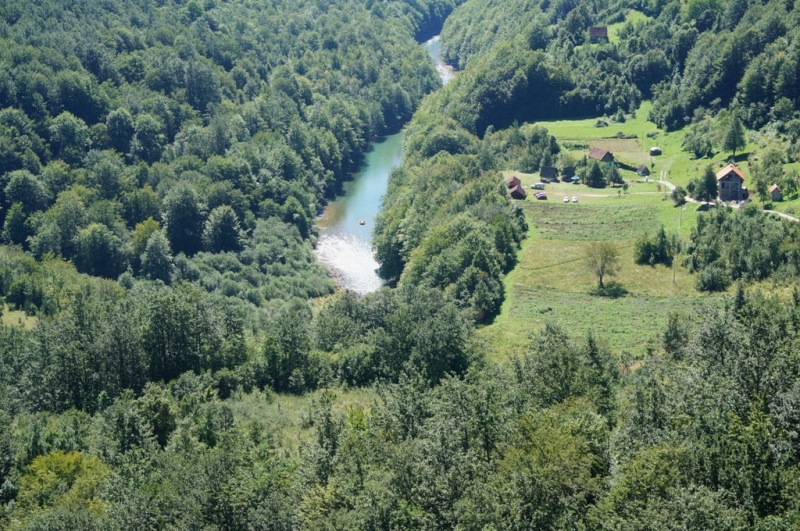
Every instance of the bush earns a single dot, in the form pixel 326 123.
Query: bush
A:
pixel 712 278
pixel 654 251
pixel 612 290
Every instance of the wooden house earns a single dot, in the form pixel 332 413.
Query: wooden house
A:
pixel 512 181
pixel 517 192
pixel 730 184
pixel 598 34
pixel 602 155
pixel 775 193
pixel 568 172
pixel 655 151
pixel 549 172
pixel 642 171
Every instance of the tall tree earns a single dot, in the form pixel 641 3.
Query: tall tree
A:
pixel 100 252
pixel 734 136
pixel 157 258
pixel 185 215
pixel 15 229
pixel 120 129
pixel 222 231
pixel 706 189
pixel 602 259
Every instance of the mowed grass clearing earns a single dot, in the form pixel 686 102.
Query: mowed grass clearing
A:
pixel 550 283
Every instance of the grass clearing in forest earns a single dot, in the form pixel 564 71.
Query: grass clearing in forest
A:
pixel 550 283
pixel 289 418
pixel 18 318
pixel 636 17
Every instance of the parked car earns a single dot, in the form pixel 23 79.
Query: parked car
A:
pixel 566 199
pixel 541 196
pixel 538 186
pixel 545 180
pixel 574 198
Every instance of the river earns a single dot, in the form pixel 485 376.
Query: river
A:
pixel 345 245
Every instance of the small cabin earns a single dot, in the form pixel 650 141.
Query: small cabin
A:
pixel 730 184
pixel 568 172
pixel 655 151
pixel 775 193
pixel 603 155
pixel 642 171
pixel 549 172
pixel 512 181
pixel 598 34
pixel 517 192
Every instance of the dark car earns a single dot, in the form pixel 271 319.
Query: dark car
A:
pixel 541 196
pixel 545 180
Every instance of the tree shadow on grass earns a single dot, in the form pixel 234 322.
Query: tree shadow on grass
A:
pixel 612 290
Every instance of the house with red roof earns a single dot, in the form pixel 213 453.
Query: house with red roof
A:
pixel 517 192
pixel 730 184
pixel 512 181
pixel 603 155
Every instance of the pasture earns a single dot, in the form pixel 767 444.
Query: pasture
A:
pixel 550 282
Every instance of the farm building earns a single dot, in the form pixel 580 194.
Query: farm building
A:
pixel 517 192
pixel 730 181
pixel 568 172
pixel 642 171
pixel 598 34
pixel 512 181
pixel 603 155
pixel 549 172
pixel 775 193
pixel 655 151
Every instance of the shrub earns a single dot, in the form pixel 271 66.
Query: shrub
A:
pixel 712 278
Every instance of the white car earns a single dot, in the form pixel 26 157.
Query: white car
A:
pixel 566 199
pixel 574 198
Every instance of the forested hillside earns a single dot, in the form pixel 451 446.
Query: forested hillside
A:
pixel 527 61
pixel 172 356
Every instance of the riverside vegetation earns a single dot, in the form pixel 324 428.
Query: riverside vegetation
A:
pixel 186 364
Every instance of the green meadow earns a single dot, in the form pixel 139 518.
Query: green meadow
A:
pixel 550 283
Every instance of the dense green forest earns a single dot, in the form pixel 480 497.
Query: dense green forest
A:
pixel 162 166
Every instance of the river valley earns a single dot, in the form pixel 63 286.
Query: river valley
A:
pixel 345 244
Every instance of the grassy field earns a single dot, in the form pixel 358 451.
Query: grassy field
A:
pixel 551 283
pixel 17 318
pixel 289 417
pixel 637 17
pixel 679 166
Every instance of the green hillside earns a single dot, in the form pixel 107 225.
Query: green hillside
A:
pixel 620 354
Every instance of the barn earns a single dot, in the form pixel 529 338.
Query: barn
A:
pixel 517 192
pixel 775 193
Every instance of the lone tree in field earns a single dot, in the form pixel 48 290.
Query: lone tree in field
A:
pixel 602 259
pixel 734 136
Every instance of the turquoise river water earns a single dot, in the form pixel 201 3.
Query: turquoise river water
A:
pixel 345 245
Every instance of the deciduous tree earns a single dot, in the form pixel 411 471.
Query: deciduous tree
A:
pixel 602 259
